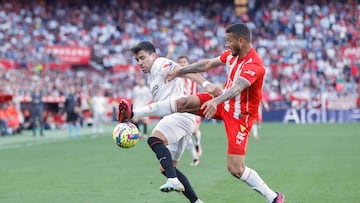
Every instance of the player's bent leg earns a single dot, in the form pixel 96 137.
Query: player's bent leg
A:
pixel 173 129
pixel 236 166
pixel 189 191
pixel 189 104
pixel 165 159
pixel 160 109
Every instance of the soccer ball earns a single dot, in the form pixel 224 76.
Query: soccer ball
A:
pixel 126 135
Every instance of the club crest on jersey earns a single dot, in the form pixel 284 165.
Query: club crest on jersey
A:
pixel 155 90
pixel 250 72
pixel 242 128
pixel 169 65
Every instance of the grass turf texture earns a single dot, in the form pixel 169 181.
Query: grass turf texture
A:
pixel 308 163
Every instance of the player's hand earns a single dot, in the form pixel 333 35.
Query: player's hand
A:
pixel 213 90
pixel 170 75
pixel 210 108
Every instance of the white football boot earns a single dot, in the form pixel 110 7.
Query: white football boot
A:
pixel 172 184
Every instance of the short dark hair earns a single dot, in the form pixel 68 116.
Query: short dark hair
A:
pixel 144 45
pixel 184 57
pixel 240 30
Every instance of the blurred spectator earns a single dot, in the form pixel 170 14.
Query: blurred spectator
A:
pixel 9 121
pixel 3 119
pixel 98 105
pixel 72 111
pixel 37 109
pixel 13 121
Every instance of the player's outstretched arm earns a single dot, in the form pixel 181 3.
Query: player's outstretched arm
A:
pixel 172 74
pixel 201 66
pixel 210 106
pixel 239 85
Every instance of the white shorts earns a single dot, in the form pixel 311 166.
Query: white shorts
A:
pixel 177 149
pixel 177 128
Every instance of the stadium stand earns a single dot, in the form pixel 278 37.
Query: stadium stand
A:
pixel 311 49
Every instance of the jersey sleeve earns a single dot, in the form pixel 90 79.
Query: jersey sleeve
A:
pixel 166 65
pixel 252 71
pixel 224 55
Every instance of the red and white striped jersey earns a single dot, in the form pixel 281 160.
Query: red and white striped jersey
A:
pixel 190 87
pixel 252 69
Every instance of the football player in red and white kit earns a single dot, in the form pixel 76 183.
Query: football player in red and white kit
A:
pixel 191 88
pixel 237 106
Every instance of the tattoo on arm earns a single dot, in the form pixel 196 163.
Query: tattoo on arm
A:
pixel 239 85
pixel 214 63
pixel 201 66
pixel 194 68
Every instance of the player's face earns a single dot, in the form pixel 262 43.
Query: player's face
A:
pixel 145 60
pixel 183 62
pixel 233 43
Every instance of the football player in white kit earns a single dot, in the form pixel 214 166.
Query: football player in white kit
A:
pixel 173 128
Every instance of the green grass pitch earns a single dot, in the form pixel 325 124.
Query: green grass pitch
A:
pixel 317 163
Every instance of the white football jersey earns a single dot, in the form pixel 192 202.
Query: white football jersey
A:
pixel 161 91
pixel 176 127
pixel 99 104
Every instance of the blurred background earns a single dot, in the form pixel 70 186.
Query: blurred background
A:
pixel 311 50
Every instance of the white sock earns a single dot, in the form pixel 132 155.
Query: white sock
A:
pixel 255 130
pixel 161 108
pixel 256 183
pixel 191 147
pixel 198 137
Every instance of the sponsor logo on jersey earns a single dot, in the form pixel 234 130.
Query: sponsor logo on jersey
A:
pixel 240 137
pixel 250 72
pixel 169 65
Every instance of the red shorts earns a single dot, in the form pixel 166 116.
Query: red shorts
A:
pixel 237 129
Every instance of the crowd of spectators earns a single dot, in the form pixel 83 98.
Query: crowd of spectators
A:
pixel 301 43
pixel 56 84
